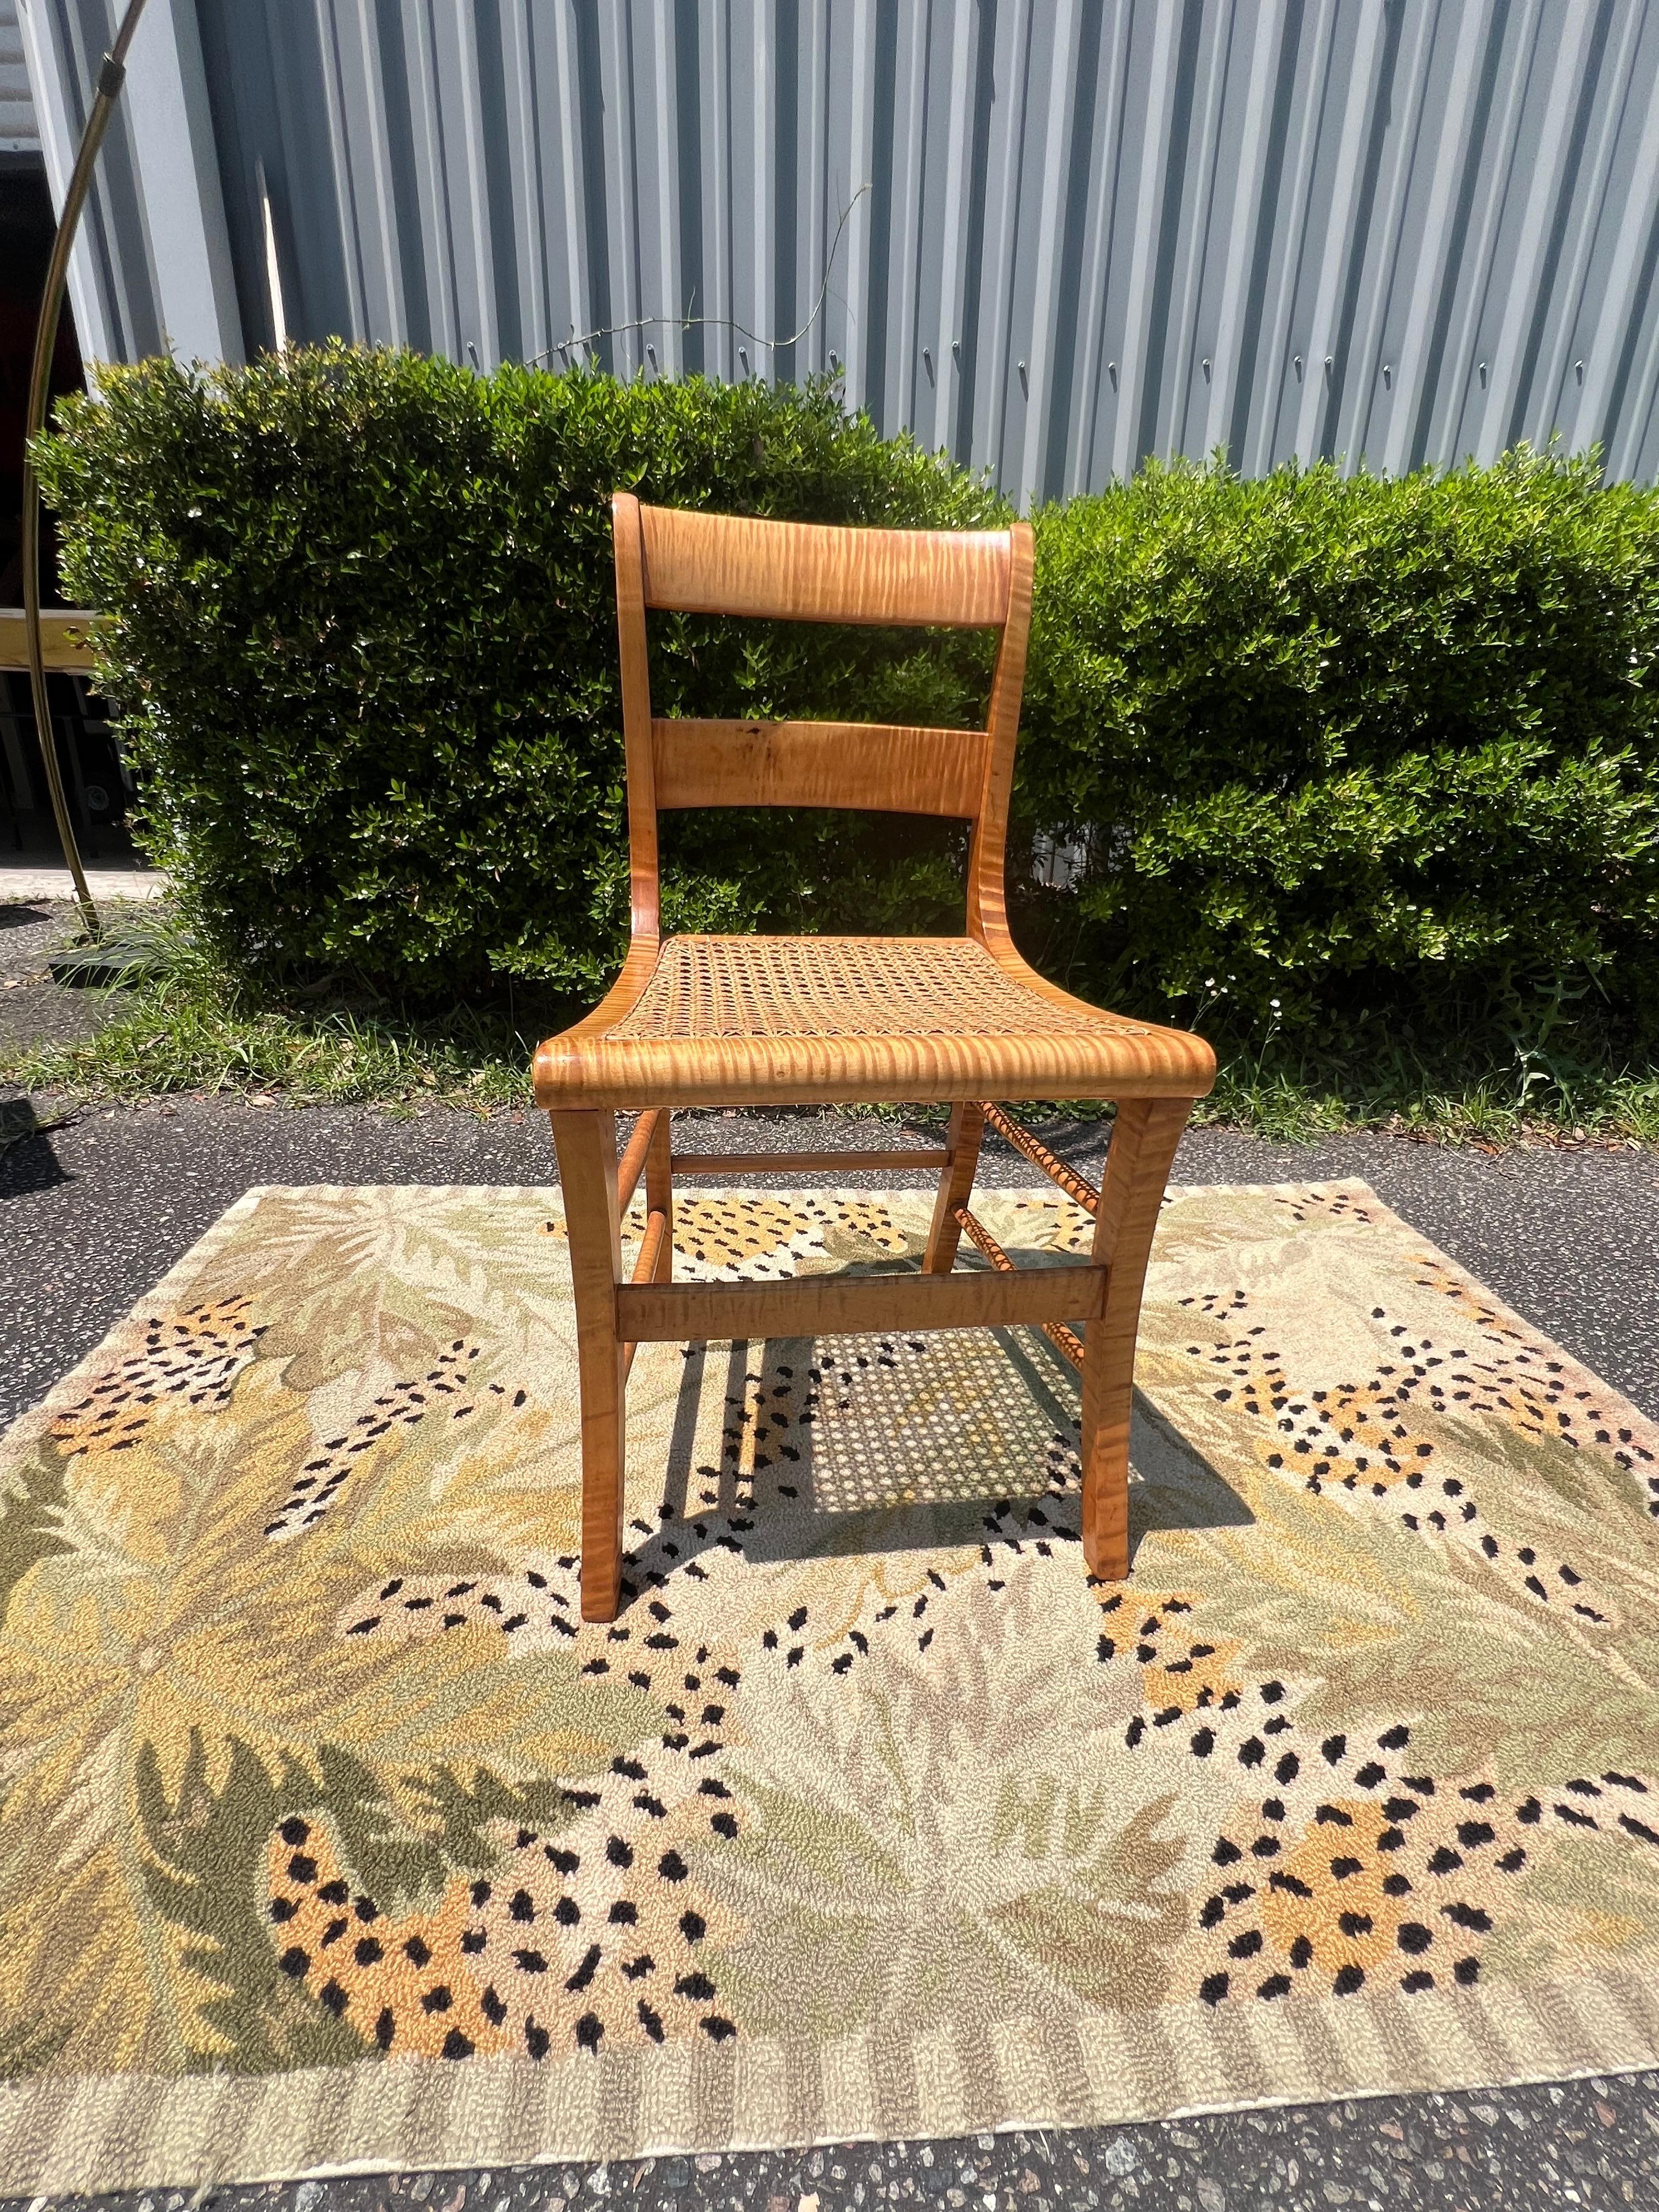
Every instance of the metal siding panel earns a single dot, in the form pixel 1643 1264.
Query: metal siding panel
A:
pixel 461 157
pixel 841 190
pixel 112 285
pixel 1600 212
pixel 657 186
pixel 1455 404
pixel 361 93
pixel 1325 145
pixel 432 187
pixel 760 57
pixel 903 377
pixel 1042 123
pixel 1097 401
pixel 813 231
pixel 348 114
pixel 996 388
pixel 862 276
pixel 1193 316
pixel 715 106
pixel 1149 118
pixel 1363 420
pixel 1623 279
pixel 1633 450
pixel 1441 165
pixel 1626 378
pixel 19 132
pixel 734 184
pixel 169 129
pixel 530 185
pixel 1616 214
pixel 1098 161
pixel 569 281
pixel 1247 135
pixel 56 67
pixel 943 251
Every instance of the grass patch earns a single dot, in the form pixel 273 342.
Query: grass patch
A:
pixel 167 1039
pixel 1453 1101
pixel 184 1023
pixel 187 1025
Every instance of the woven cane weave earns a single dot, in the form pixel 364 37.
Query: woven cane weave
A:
pixel 841 987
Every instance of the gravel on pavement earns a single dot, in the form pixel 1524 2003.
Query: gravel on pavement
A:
pixel 33 1010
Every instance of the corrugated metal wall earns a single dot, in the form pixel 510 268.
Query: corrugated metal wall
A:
pixel 152 261
pixel 1094 229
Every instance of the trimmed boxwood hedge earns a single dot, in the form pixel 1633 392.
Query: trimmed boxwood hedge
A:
pixel 1326 750
pixel 362 631
pixel 1338 744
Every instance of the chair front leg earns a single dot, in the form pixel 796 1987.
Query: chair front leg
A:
pixel 1144 1140
pixel 955 1186
pixel 586 1147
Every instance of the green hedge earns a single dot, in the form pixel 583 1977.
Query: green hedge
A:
pixel 363 629
pixel 1346 743
pixel 1360 747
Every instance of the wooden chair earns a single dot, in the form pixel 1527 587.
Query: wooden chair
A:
pixel 753 1021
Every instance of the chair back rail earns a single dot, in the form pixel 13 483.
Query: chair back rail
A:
pixel 718 564
pixel 884 768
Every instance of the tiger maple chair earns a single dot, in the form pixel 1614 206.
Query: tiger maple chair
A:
pixel 772 1021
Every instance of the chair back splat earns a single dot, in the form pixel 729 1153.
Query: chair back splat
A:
pixel 765 1021
pixel 689 563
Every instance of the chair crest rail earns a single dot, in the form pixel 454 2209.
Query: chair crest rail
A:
pixel 724 564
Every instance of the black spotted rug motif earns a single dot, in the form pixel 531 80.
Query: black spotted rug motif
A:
pixel 331 1838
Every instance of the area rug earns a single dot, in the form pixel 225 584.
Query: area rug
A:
pixel 331 1838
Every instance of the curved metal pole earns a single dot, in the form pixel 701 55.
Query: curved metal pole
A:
pixel 111 77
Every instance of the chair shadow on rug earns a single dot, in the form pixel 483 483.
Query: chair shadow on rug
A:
pixel 873 1444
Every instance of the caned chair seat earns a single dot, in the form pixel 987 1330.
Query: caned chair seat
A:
pixel 733 1021
pixel 803 1019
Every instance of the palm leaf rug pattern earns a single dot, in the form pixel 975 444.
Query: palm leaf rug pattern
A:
pixel 330 1836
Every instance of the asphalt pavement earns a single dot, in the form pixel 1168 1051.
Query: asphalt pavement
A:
pixel 99 1206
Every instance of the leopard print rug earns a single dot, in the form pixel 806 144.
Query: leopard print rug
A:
pixel 330 1836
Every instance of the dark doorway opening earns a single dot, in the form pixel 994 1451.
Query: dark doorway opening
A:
pixel 98 786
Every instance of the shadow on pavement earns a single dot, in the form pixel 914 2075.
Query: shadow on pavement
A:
pixel 27 1160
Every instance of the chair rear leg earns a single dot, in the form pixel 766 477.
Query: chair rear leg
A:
pixel 955 1186
pixel 659 1194
pixel 1144 1140
pixel 586 1147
